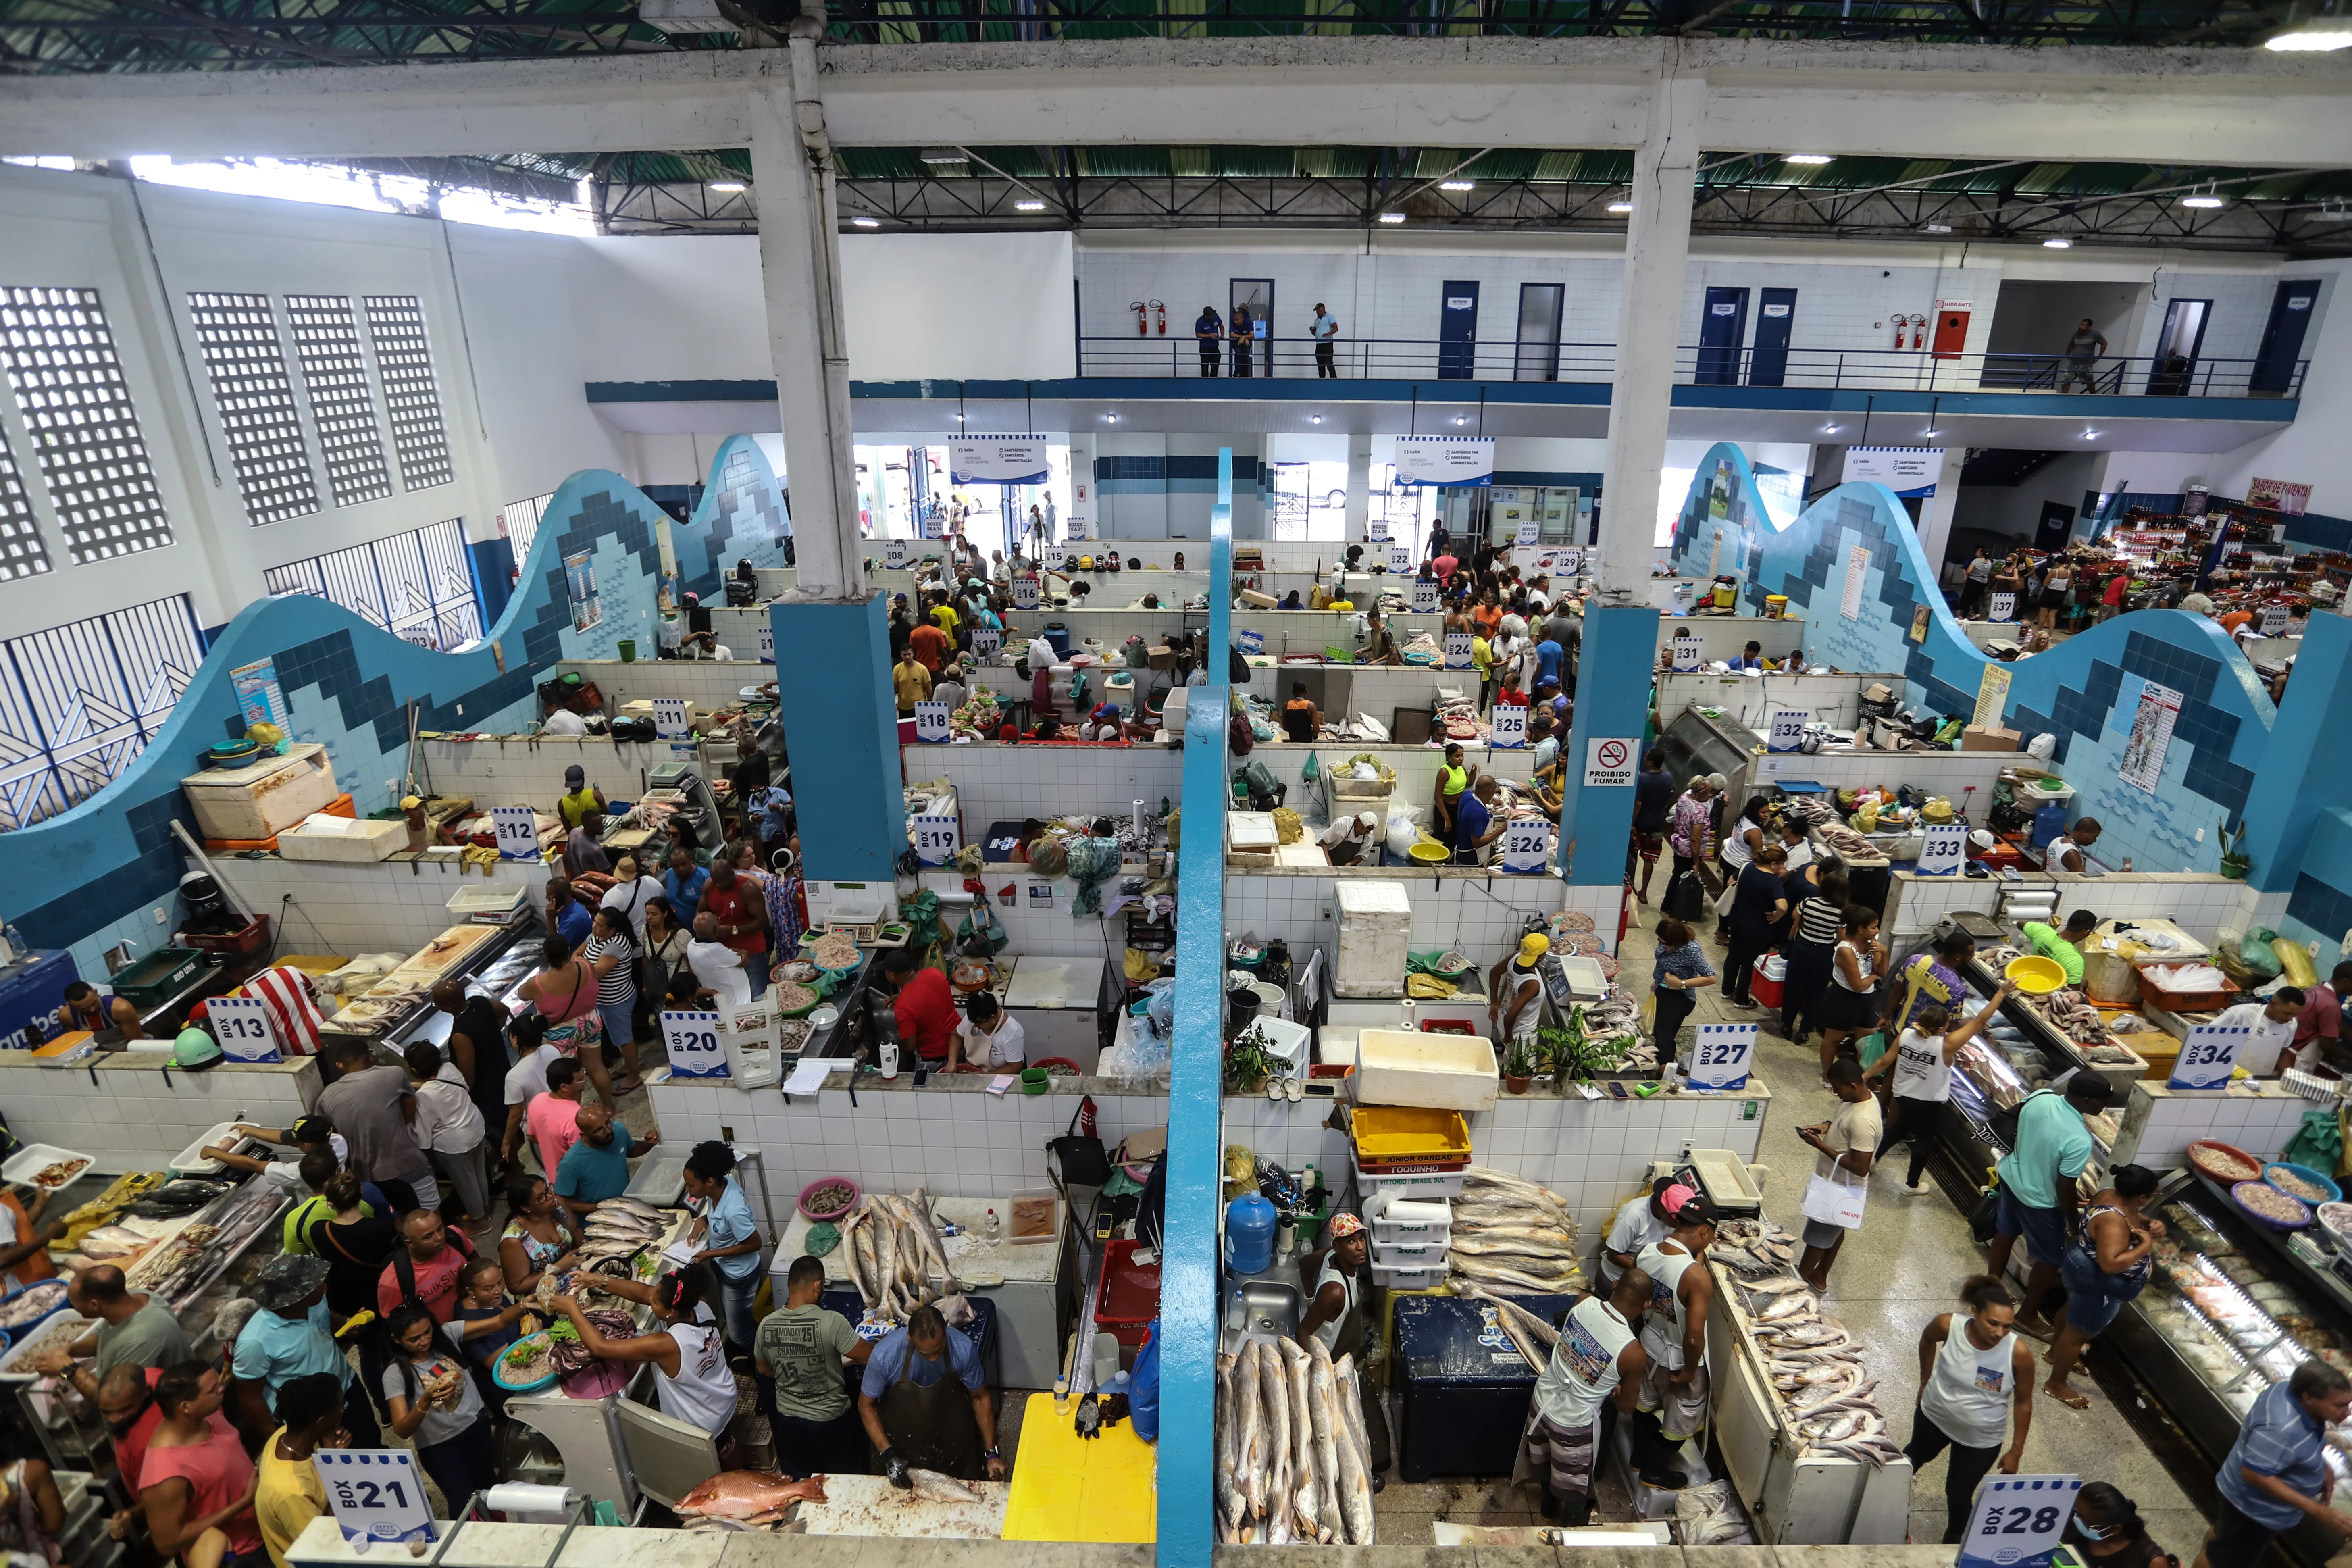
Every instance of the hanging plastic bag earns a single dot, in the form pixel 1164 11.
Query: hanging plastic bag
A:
pixel 981 931
pixel 2317 1145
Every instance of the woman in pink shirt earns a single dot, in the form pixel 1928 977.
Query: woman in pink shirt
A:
pixel 197 1481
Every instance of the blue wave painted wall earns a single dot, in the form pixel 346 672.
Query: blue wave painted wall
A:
pixel 2085 692
pixel 89 878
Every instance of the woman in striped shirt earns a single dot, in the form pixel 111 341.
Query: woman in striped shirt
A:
pixel 612 954
pixel 1810 943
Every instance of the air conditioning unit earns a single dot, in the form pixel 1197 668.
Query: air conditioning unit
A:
pixel 683 16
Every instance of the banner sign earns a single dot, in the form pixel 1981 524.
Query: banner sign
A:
pixel 998 460
pixel 1443 460
pixel 1906 470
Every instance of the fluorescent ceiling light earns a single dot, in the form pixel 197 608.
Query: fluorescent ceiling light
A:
pixel 1392 217
pixel 1029 204
pixel 2313 35
pixel 946 155
pixel 1828 429
pixel 862 221
pixel 1315 418
pixel 1804 157
pixel 729 187
pixel 1456 185
pixel 1937 227
pixel 2089 434
pixel 2204 201
pixel 1621 207
pixel 2057 245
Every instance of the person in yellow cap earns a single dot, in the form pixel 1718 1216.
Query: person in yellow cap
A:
pixel 1515 994
pixel 1335 1315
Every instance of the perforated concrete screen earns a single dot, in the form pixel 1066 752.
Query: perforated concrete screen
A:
pixel 68 384
pixel 255 397
pixel 404 358
pixel 22 554
pixel 334 372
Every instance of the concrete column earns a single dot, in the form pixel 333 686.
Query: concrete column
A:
pixel 1360 485
pixel 852 817
pixel 800 260
pixel 1649 320
pixel 1082 481
pixel 2304 783
pixel 1613 703
pixel 1935 511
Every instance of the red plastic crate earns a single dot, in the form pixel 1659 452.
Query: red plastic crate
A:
pixel 1129 1296
pixel 254 934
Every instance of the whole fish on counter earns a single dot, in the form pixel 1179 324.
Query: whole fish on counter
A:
pixel 744 1498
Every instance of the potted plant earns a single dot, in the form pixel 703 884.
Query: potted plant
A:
pixel 1248 1062
pixel 1519 1066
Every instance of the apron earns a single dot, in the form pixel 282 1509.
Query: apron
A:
pixel 35 1265
pixel 933 1428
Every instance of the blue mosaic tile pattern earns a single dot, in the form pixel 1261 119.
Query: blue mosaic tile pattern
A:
pixel 2084 692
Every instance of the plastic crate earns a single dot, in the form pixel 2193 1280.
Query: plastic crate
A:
pixel 158 977
pixel 1424 1279
pixel 1128 1298
pixel 1389 1136
pixel 255 932
pixel 2152 989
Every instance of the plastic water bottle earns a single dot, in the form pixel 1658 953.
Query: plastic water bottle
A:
pixel 1061 1396
pixel 991 1231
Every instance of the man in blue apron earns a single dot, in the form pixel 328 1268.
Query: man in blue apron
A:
pixel 924 1407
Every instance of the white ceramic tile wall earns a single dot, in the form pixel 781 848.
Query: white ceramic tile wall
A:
pixel 1948 773
pixel 1722 636
pixel 997 782
pixel 1041 931
pixel 2260 1125
pixel 1478 914
pixel 387 907
pixel 1914 904
pixel 136 1118
pixel 2199 902
pixel 709 682
pixel 1752 699
pixel 1416 766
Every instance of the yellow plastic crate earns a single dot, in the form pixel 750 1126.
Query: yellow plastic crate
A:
pixel 1398 1134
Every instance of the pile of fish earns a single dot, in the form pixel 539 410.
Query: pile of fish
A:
pixel 2070 1014
pixel 570 1356
pixel 31 1304
pixel 1815 1366
pixel 1711 1515
pixel 619 1230
pixel 1530 1335
pixel 893 1250
pixel 1292 1462
pixel 746 1499
pixel 1511 1234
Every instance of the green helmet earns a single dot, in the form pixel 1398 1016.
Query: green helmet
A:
pixel 195 1050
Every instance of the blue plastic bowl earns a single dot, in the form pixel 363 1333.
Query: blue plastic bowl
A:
pixel 2304 1173
pixel 498 1369
pixel 60 1305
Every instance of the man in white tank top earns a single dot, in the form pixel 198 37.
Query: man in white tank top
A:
pixel 1672 1406
pixel 1596 1368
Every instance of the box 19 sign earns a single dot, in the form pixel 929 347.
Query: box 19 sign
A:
pixel 1526 842
pixel 242 1025
pixel 517 831
pixel 2017 1521
pixel 938 839
pixel 2208 1056
pixel 692 1041
pixel 931 723
pixel 1720 1057
pixel 375 1493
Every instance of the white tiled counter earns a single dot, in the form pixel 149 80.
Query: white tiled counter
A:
pixel 2159 1124
pixel 133 1112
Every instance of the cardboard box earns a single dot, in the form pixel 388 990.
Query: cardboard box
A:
pixel 1988 737
pixel 1878 691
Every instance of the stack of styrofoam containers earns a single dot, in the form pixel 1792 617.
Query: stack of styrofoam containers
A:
pixel 1375 920
pixel 1408 1241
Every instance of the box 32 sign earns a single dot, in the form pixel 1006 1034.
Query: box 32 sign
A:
pixel 692 1041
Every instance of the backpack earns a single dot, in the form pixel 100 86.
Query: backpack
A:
pixel 1237 669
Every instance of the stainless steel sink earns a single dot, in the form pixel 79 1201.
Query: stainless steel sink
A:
pixel 1270 1311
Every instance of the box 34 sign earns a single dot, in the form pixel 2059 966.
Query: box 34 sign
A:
pixel 692 1041
pixel 2209 1056
pixel 1609 764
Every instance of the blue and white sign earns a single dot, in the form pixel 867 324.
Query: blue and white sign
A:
pixel 1376 530
pixel 1457 650
pixel 1906 470
pixel 1510 726
pixel 1253 642
pixel 2017 1521
pixel 243 1027
pixel 1074 527
pixel 1787 732
pixel 1722 1054
pixel 931 723
pixel 1943 849
pixel 2209 1056
pixel 376 1494
pixel 998 460
pixel 894 554
pixel 1424 596
pixel 1527 843
pixel 518 832
pixel 938 839
pixel 691 1041
pixel 1443 460
pixel 1689 655
pixel 1400 557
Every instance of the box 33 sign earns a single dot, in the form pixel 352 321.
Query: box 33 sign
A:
pixel 2017 1521
pixel 2208 1056
pixel 692 1041
pixel 242 1025
pixel 517 831
pixel 1527 843
pixel 376 1494
pixel 1609 764
pixel 1721 1059
pixel 1944 849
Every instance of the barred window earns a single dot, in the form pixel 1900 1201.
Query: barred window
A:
pixel 239 336
pixel 417 585
pixel 334 372
pixel 23 553
pixel 68 384
pixel 404 358
pixel 79 701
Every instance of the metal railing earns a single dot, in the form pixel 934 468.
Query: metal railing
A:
pixel 1185 358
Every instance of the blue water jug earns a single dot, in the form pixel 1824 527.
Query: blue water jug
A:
pixel 1249 1234
pixel 2049 823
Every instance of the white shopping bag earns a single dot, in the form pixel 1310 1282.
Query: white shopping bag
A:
pixel 1834 1201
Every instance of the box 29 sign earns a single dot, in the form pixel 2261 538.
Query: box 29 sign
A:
pixel 691 1039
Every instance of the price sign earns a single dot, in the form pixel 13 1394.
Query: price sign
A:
pixel 691 1039
pixel 1571 562
pixel 669 718
pixel 938 839
pixel 2273 620
pixel 894 554
pixel 1457 650
pixel 2004 607
pixel 2017 1521
pixel 767 641
pixel 1253 642
pixel 1527 843
pixel 1510 726
pixel 1376 530
pixel 1057 557
pixel 931 723
pixel 1024 592
pixel 1074 527
pixel 1041 895
pixel 1424 596
pixel 1686 654
pixel 1945 850
pixel 1531 530
pixel 377 1493
pixel 985 641
pixel 517 831
pixel 1720 1059
pixel 2209 1056
pixel 1788 731
pixel 242 1025
pixel 1400 557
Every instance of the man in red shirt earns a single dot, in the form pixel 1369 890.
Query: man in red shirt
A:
pixel 743 917
pixel 929 646
pixel 2322 1023
pixel 925 1009
pixel 431 1264
pixel 2118 585
pixel 126 1403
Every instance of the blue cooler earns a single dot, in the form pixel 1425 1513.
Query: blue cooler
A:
pixel 33 990
pixel 1462 1389
pixel 1057 637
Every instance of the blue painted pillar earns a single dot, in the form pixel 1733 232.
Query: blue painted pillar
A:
pixel 1613 703
pixel 2303 773
pixel 841 723
pixel 493 560
pixel 1187 1273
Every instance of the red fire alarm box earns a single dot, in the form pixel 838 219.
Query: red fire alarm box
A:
pixel 1951 333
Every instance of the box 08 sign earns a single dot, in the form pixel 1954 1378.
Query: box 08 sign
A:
pixel 242 1025
pixel 2017 1521
pixel 518 832
pixel 894 555
pixel 1720 1057
pixel 376 1494
pixel 2209 1056
pixel 692 1041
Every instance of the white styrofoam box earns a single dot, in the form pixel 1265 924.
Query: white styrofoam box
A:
pixel 342 838
pixel 263 798
pixel 1446 1072
pixel 1410 1278
pixel 1375 921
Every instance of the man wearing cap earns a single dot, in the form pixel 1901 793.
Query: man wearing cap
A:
pixel 1596 1370
pixel 580 798
pixel 288 1337
pixel 1514 992
pixel 1640 1221
pixel 2038 1196
pixel 1336 1316
pixel 1672 1406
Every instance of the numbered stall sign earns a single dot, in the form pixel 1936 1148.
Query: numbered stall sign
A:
pixel 518 832
pixel 1041 895
pixel 1457 650
pixel 1057 557
pixel 767 642
pixel 1687 655
pixel 2208 1056
pixel 985 641
pixel 1945 849
pixel 1788 731
pixel 693 1044
pixel 2273 620
pixel 1424 596
pixel 242 1025
pixel 669 718
pixel 1527 843
pixel 1570 562
pixel 2018 1521
pixel 931 723
pixel 894 554
pixel 1253 642
pixel 1400 557
pixel 1376 530
pixel 1720 1059
pixel 1074 528
pixel 376 1494
pixel 1510 726
pixel 2003 608
pixel 938 839
pixel 1024 592
pixel 1531 530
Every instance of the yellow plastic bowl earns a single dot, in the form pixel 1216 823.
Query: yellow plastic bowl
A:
pixel 2035 975
pixel 1429 852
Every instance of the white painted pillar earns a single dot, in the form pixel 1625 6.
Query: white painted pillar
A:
pixel 1360 485
pixel 800 268
pixel 1935 511
pixel 1082 481
pixel 1649 320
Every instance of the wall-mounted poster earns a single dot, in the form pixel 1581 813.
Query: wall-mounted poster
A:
pixel 580 582
pixel 1920 623
pixel 2278 495
pixel 2151 737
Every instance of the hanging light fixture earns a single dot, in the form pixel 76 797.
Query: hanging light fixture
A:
pixel 2313 35
pixel 2206 199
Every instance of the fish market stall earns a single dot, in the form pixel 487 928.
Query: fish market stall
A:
pixel 937 1508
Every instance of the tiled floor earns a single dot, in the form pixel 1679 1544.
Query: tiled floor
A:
pixel 1900 1271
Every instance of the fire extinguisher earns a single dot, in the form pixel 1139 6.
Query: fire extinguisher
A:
pixel 1901 322
pixel 1918 331
pixel 1142 327
pixel 1162 310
